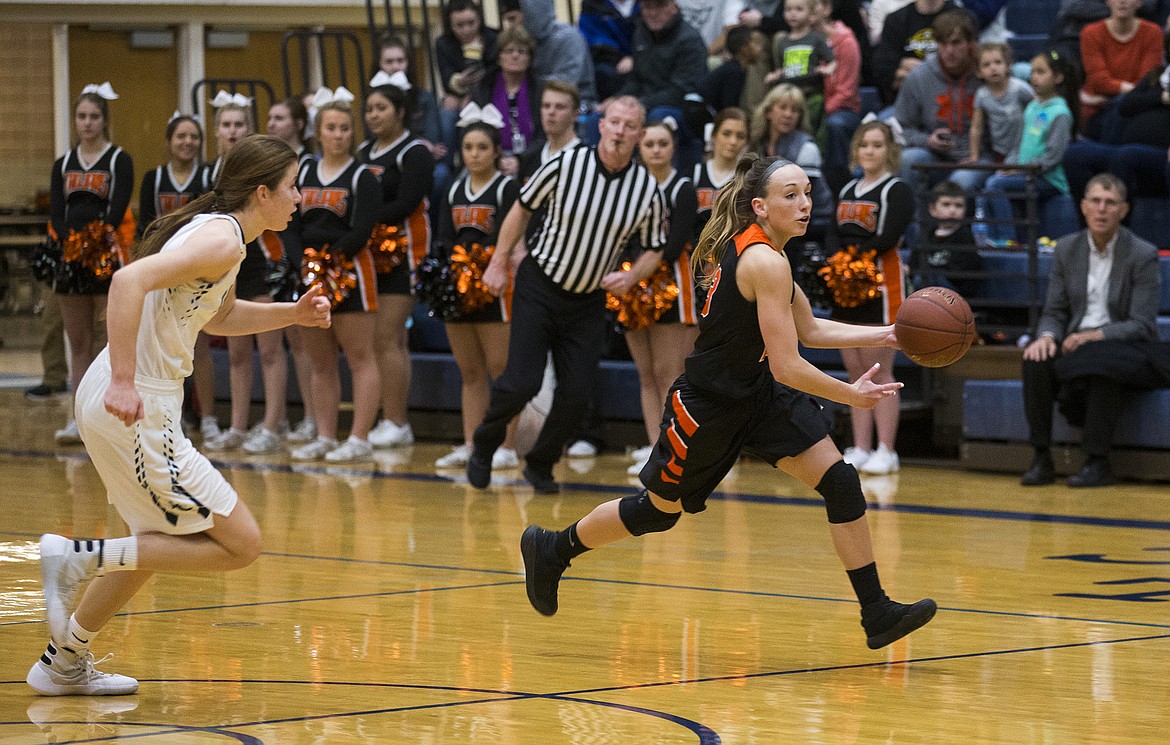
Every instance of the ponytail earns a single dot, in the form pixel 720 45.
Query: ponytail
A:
pixel 731 215
pixel 256 160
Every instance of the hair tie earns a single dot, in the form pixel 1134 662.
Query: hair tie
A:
pixel 774 166
pixel 325 96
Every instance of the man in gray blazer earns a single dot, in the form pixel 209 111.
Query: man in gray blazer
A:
pixel 1105 285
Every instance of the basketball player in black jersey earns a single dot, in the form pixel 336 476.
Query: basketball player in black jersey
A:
pixel 746 389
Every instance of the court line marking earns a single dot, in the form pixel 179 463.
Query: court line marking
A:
pixel 573 695
pixel 914 509
pixel 601 580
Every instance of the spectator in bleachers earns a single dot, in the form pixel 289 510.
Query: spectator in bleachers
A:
pixel 872 216
pixel 514 90
pixel 908 38
pixel 947 244
pixel 875 16
pixel 461 52
pixel 1074 15
pixel 935 102
pixel 712 19
pixel 842 95
pixel 608 28
pixel 1049 123
pixel 998 115
pixel 561 51
pixel 1140 159
pixel 801 57
pixel 287 120
pixel 1101 308
pixel 670 63
pixel 723 87
pixel 424 123
pixel 781 126
pixel 559 102
pixel 768 18
pixel 1115 54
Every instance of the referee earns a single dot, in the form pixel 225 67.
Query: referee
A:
pixel 595 200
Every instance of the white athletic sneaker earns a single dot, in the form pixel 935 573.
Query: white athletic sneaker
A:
pixel 305 431
pixel 352 449
pixel 390 435
pixel 209 428
pixel 229 439
pixel 856 457
pixel 642 454
pixel 457 458
pixel 261 440
pixel 315 450
pixel 505 458
pixel 63 571
pixel 582 449
pixel 881 462
pixel 68 435
pixel 61 672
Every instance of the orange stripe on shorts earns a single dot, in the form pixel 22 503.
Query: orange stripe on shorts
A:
pixel 683 417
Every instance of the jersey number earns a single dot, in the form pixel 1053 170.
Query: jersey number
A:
pixel 711 292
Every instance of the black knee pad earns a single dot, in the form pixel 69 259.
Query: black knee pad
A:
pixel 640 516
pixel 841 488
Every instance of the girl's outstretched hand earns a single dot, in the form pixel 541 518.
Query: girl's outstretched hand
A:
pixel 869 392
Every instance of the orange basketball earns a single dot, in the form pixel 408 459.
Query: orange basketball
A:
pixel 935 327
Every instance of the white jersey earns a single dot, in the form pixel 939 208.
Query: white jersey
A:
pixel 172 318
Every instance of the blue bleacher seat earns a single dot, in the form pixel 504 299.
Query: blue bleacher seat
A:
pixel 1150 219
pixel 1058 217
pixel 871 100
pixel 1031 16
pixel 1026 46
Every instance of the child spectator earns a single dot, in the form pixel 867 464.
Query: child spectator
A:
pixel 998 116
pixel 723 87
pixel 948 245
pixel 802 57
pixel 842 95
pixel 1049 122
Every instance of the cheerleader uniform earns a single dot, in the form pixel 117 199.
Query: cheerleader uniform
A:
pixel 681 214
pixel 467 218
pixel 340 214
pixel 81 194
pixel 407 172
pixel 876 220
pixel 706 189
pixel 161 194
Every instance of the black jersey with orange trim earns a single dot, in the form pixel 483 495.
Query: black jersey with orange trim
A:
pixel 706 190
pixel 162 193
pixel 81 193
pixel 729 355
pixel 406 170
pixel 875 219
pixel 340 212
pixel 468 218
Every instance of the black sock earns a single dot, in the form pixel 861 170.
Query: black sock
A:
pixel 1044 453
pixel 568 545
pixel 867 586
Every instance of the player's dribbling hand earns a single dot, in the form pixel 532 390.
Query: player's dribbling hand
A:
pixel 314 309
pixel 869 392
pixel 495 279
pixel 124 403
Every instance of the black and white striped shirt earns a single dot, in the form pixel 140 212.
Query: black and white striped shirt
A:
pixel 590 216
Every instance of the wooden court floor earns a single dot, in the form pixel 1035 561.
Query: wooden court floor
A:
pixel 389 607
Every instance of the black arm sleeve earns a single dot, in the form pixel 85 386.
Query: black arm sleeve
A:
pixel 57 200
pixel 418 178
pixel 365 215
pixel 683 214
pixel 123 189
pixel 445 235
pixel 145 204
pixel 507 199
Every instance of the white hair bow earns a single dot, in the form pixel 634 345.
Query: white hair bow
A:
pixel 324 96
pixel 670 123
pixel 105 90
pixel 223 98
pixel 473 114
pixel 398 80
pixel 177 114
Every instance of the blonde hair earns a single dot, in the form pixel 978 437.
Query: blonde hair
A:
pixel 893 149
pixel 782 93
pixel 344 108
pixel 731 214
pixel 248 121
pixel 256 160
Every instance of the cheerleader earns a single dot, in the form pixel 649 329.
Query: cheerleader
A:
pixel 90 191
pixel 471 213
pixel 659 349
pixel 339 205
pixel 233 122
pixel 729 136
pixel 872 216
pixel 406 168
pixel 287 120
pixel 164 190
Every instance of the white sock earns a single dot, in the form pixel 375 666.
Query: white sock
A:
pixel 120 554
pixel 77 638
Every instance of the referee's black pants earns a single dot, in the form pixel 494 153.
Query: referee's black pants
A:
pixel 546 317
pixel 1103 403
